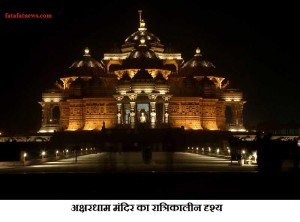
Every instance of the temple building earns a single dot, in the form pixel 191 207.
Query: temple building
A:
pixel 142 83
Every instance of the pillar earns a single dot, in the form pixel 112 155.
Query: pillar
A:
pixel 132 97
pixel 153 114
pixel 166 106
pixel 237 113
pixel 152 97
pixel 166 112
pixel 119 105
pixel 46 113
pixel 132 114
pixel 119 114
pixel 44 116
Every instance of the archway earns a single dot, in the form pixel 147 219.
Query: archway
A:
pixel 229 115
pixel 55 115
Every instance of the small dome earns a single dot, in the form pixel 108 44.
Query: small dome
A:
pixel 87 66
pixel 198 66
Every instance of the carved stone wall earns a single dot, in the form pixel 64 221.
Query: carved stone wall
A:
pixel 185 111
pixel 64 115
pixel 197 113
pixel 220 115
pixel 99 111
pixel 209 120
pixel 76 114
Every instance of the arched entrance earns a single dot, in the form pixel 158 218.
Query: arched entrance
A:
pixel 228 115
pixel 55 115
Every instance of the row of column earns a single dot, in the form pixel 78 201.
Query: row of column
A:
pixel 237 112
pixel 47 112
pixel 132 116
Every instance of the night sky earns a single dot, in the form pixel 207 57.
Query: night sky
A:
pixel 255 46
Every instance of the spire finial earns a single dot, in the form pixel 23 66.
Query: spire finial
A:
pixel 198 51
pixel 86 51
pixel 142 22
pixel 140 14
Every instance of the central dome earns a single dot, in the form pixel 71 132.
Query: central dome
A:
pixel 136 38
pixel 142 36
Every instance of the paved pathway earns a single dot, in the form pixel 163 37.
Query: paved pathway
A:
pixel 133 162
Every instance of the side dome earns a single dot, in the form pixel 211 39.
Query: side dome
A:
pixel 87 66
pixel 198 66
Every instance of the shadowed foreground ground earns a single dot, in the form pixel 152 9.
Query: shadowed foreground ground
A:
pixel 119 176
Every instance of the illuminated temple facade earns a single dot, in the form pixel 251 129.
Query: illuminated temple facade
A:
pixel 142 83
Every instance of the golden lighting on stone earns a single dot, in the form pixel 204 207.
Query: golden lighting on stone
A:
pixel 217 81
pixel 237 129
pixel 88 128
pixel 131 73
pixel 67 81
pixel 88 103
pixel 113 62
pixel 172 62
pixel 142 24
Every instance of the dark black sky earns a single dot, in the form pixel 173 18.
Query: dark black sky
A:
pixel 256 47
